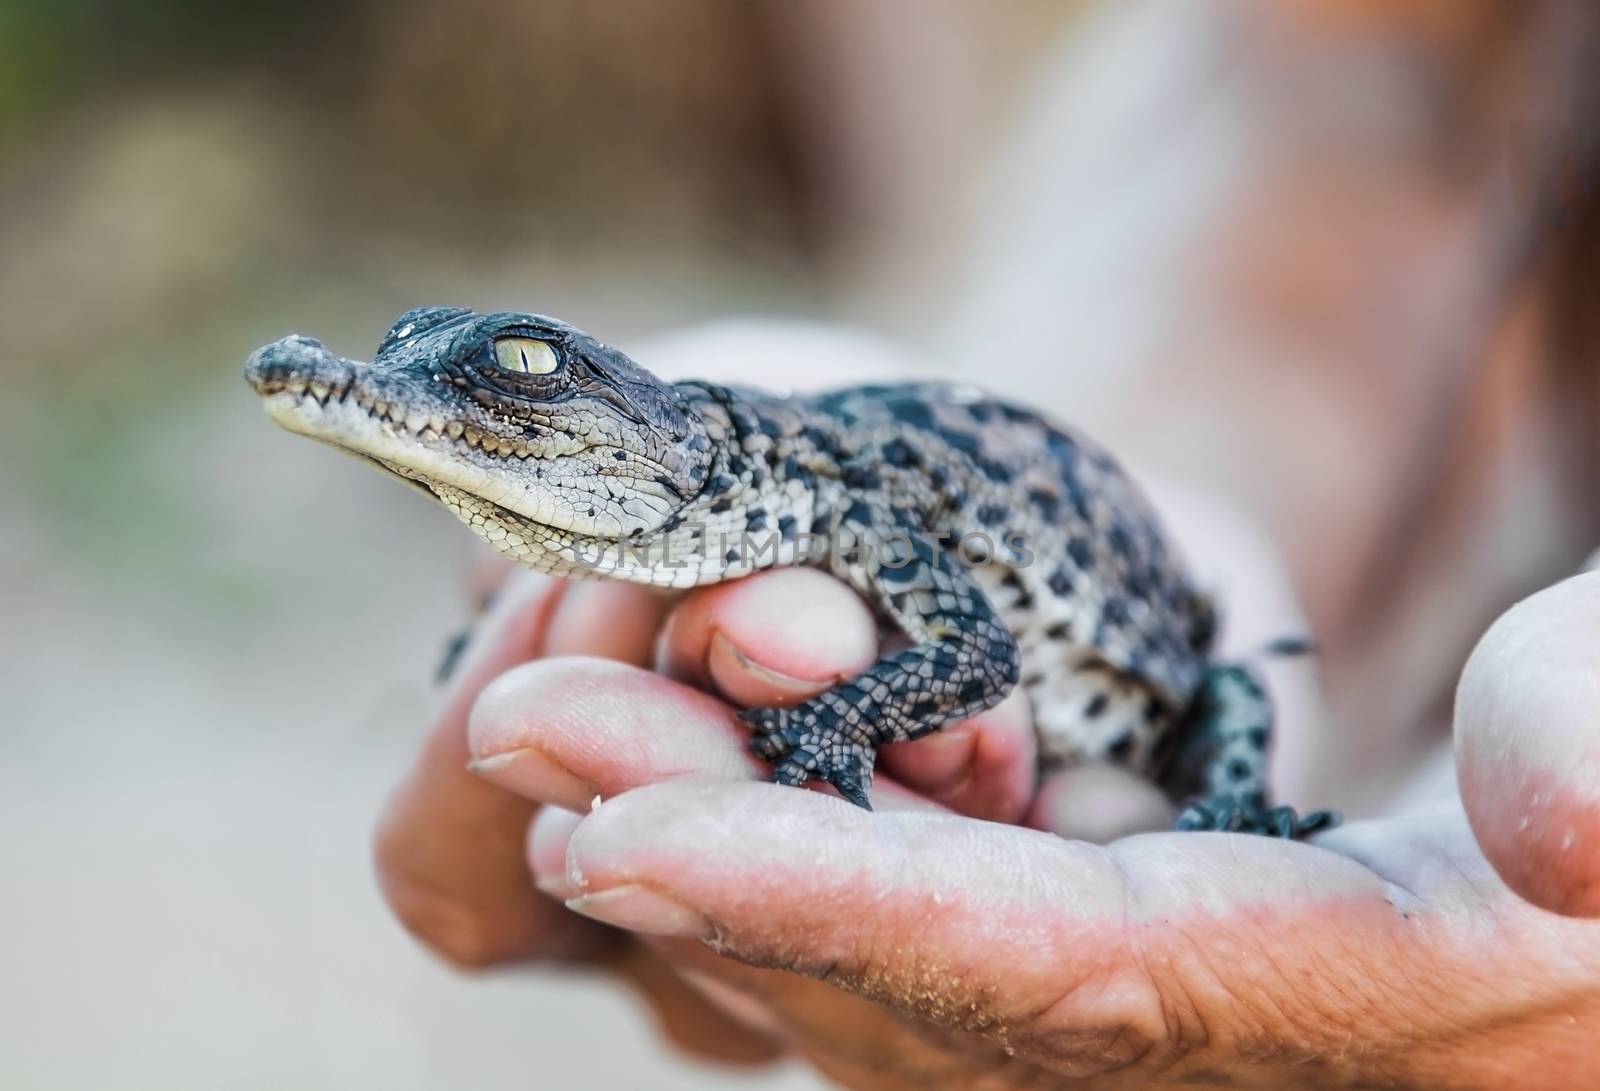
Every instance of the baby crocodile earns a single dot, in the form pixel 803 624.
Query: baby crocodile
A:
pixel 1008 550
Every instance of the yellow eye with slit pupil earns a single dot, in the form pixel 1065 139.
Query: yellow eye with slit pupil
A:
pixel 525 356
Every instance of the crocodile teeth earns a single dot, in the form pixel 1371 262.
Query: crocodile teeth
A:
pixel 454 429
pixel 320 391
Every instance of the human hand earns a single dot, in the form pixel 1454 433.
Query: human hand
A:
pixel 1387 952
pixel 451 847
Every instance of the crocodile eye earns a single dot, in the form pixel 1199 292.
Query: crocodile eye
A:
pixel 525 356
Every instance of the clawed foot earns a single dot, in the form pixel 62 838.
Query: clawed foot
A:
pixel 1228 816
pixel 807 750
pixel 450 655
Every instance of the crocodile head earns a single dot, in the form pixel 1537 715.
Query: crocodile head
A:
pixel 522 411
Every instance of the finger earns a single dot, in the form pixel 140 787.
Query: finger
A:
pixel 487 572
pixel 774 638
pixel 1083 958
pixel 1527 736
pixel 547 850
pixel 850 1039
pixel 984 767
pixel 1099 803
pixel 564 731
pixel 780 637
pixel 608 619
pixel 682 1012
pixel 450 846
pixel 857 1041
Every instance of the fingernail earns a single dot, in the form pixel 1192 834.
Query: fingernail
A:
pixel 639 909
pixel 555 886
pixel 948 740
pixel 945 760
pixel 739 676
pixel 548 837
pixel 530 773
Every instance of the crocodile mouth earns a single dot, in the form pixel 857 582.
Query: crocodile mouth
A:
pixel 309 390
pixel 315 408
pixel 412 431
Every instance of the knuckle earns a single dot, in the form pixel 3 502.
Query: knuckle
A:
pixel 1115 1019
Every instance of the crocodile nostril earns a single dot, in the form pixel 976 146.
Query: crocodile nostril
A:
pixel 261 368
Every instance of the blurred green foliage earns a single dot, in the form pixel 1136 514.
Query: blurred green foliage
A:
pixel 53 50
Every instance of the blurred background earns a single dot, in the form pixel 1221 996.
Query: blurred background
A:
pixel 1333 263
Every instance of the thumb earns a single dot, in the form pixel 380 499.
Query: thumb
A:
pixel 1527 738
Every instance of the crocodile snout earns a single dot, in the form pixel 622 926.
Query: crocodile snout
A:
pixel 298 364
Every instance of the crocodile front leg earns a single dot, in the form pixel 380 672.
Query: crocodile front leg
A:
pixel 963 662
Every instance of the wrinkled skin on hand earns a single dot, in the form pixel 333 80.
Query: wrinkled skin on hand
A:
pixel 946 941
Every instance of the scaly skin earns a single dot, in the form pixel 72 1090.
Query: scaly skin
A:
pixel 1007 550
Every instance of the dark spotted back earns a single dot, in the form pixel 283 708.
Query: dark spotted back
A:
pixel 966 463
